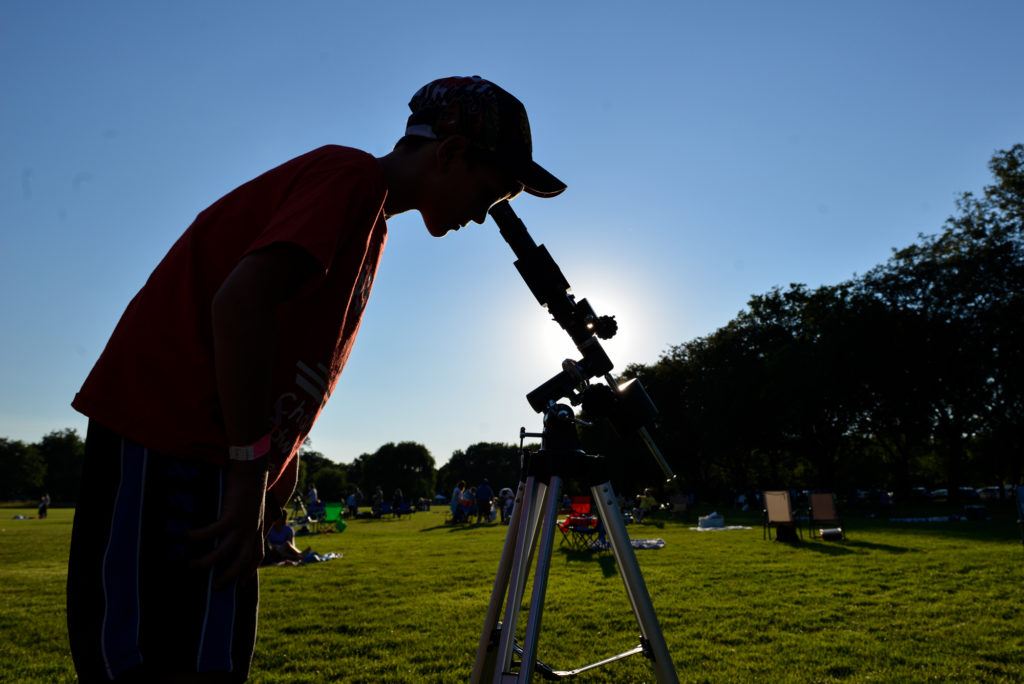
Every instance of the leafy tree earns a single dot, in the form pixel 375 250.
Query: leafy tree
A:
pixel 315 468
pixel 64 454
pixel 407 466
pixel 499 463
pixel 962 293
pixel 331 483
pixel 22 470
pixel 911 372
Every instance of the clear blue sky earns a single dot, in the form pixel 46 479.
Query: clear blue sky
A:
pixel 712 151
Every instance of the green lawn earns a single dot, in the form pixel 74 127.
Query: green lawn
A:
pixel 899 602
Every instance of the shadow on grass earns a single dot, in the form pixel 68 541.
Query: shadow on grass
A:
pixel 885 548
pixel 825 548
pixel 973 530
pixel 660 524
pixel 461 527
pixel 845 548
pixel 605 559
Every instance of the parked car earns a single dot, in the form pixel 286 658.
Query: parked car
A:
pixel 875 496
pixel 992 492
pixel 968 493
pixel 920 493
pixel 965 493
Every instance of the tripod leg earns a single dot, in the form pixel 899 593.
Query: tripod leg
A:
pixel 486 652
pixel 540 578
pixel 525 548
pixel 510 584
pixel 636 590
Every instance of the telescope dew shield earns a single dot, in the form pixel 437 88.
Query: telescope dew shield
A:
pixel 636 409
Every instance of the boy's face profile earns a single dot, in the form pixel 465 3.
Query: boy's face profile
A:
pixel 462 188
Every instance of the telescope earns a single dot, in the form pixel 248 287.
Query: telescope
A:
pixel 626 405
pixel 501 658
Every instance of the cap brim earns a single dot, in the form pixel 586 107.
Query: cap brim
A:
pixel 538 182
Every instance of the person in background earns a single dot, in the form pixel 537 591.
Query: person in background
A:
pixel 506 501
pixel 353 503
pixel 644 505
pixel 377 502
pixel 456 501
pixel 281 549
pixel 484 500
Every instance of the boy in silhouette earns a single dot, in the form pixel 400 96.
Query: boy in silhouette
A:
pixel 221 363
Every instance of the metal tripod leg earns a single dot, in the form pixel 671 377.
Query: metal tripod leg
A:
pixel 629 569
pixel 485 654
pixel 548 519
pixel 537 503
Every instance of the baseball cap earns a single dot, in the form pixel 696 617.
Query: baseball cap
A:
pixel 490 117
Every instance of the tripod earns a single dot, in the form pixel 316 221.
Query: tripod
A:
pixel 298 511
pixel 534 520
pixel 532 526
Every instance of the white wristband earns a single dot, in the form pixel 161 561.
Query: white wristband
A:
pixel 251 452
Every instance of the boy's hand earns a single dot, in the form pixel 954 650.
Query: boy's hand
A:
pixel 239 532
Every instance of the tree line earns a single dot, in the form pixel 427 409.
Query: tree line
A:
pixel 910 375
pixel 53 465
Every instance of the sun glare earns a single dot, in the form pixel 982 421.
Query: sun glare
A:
pixel 546 344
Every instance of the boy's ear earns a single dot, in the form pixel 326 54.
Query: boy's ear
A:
pixel 450 148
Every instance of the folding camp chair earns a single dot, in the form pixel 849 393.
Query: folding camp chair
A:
pixel 778 513
pixel 578 531
pixel 580 505
pixel 317 511
pixel 331 517
pixel 823 511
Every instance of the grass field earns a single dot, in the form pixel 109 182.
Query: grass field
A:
pixel 896 602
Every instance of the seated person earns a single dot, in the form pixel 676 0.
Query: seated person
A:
pixel 317 510
pixel 645 504
pixel 467 504
pixel 281 549
pixel 508 500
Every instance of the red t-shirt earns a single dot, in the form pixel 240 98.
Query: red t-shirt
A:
pixel 155 383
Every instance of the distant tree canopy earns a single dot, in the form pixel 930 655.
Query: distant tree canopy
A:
pixel 908 375
pixel 63 451
pixel 499 463
pixel 330 478
pixel 407 466
pixel 52 465
pixel 22 470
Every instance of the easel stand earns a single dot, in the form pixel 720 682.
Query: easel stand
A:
pixel 499 658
